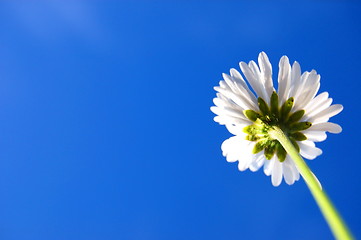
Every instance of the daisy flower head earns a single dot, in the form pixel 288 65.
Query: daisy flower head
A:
pixel 250 106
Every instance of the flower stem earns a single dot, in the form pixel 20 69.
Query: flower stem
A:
pixel 333 218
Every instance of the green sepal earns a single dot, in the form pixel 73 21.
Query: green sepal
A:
pixel 252 138
pixel 281 152
pixel 296 116
pixel 251 129
pixel 270 150
pixel 298 136
pixel 286 108
pixel 260 123
pixel 263 107
pixel 259 146
pixel 274 104
pixel 251 115
pixel 270 116
pixel 299 126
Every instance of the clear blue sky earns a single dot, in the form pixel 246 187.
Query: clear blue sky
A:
pixel 106 132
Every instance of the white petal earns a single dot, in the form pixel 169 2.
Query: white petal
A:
pixel 221 96
pixel 310 88
pixel 219 102
pixel 229 148
pixel 295 172
pixel 284 78
pixel 235 98
pixel 259 78
pixel 237 129
pixel 300 88
pixel 224 101
pixel 244 163
pixel 295 79
pixel 315 136
pixel 237 77
pixel 228 112
pixel 229 82
pixel 230 120
pixel 265 64
pixel 314 103
pixel 223 85
pixel 287 172
pixel 316 109
pixel 308 150
pixel 251 101
pixel 237 148
pixel 326 114
pixel 245 159
pixel 239 88
pixel 326 126
pixel 252 79
pixel 266 73
pixel 257 162
pixel 268 167
pixel 276 173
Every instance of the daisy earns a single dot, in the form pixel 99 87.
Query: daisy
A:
pixel 249 109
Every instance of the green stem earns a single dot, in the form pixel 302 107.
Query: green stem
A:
pixel 330 213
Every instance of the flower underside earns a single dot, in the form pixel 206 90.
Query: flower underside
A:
pixel 274 115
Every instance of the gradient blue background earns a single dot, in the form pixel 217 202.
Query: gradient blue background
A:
pixel 106 132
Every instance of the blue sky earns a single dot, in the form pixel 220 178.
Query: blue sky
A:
pixel 106 131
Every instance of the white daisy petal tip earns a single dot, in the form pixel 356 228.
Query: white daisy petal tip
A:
pixel 327 127
pixel 337 129
pixel 277 173
pixel 248 105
